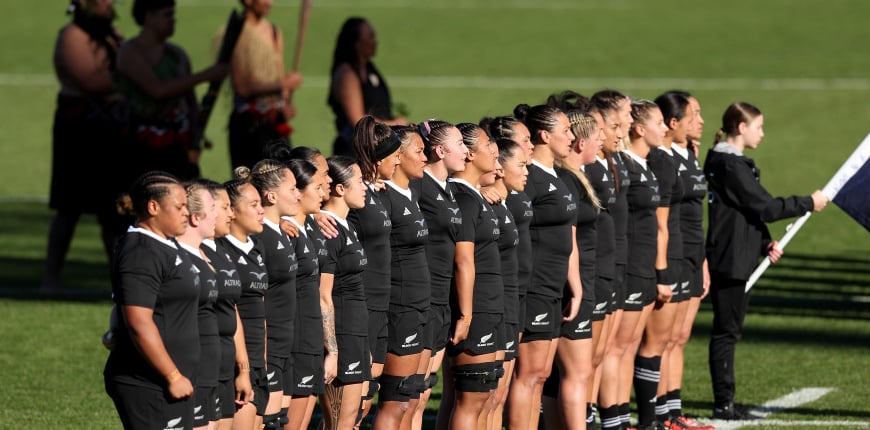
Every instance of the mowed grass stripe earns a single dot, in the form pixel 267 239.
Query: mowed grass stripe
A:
pixel 507 83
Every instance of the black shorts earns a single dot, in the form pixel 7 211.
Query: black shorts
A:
pixel 308 375
pixel 378 336
pixel 206 405
pixel 260 384
pixel 619 286
pixel 543 319
pixel 521 310
pixel 438 326
pixel 603 298
pixel 511 341
pixel 405 332
pixel 484 336
pixel 680 288
pixel 145 408
pixel 639 292
pixel 581 326
pixel 226 393
pixel 353 359
pixel 695 277
pixel 279 372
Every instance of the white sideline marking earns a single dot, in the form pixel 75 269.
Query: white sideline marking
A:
pixel 533 83
pixel 791 400
pixel 408 4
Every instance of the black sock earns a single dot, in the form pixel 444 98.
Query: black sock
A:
pixel 646 383
pixel 590 415
pixel 610 418
pixel 675 403
pixel 662 412
pixel 625 413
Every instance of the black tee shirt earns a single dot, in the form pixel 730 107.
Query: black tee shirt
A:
pixel 587 235
pixel 279 256
pixel 347 260
pixel 671 192
pixel 555 212
pixel 252 306
pixel 209 363
pixel 442 216
pixel 373 225
pixel 409 274
pixel 229 292
pixel 508 240
pixel 692 205
pixel 619 209
pixel 643 199
pixel 602 182
pixel 309 322
pixel 154 273
pixel 480 226
pixel 520 206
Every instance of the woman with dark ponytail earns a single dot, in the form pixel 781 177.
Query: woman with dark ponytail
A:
pixel 554 248
pixel 737 237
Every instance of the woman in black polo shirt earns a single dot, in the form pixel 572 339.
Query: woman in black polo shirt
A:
pixel 149 371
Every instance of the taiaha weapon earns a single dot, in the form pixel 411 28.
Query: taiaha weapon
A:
pixel 304 12
pixel 231 35
pixel 844 173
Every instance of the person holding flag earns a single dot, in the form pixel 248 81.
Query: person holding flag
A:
pixel 737 237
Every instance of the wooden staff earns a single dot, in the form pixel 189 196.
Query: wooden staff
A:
pixel 231 35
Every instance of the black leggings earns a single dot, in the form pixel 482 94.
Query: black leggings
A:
pixel 730 303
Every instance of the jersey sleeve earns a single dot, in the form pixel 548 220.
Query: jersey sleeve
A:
pixel 742 187
pixel 139 277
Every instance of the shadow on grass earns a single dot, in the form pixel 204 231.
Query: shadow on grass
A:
pixel 85 282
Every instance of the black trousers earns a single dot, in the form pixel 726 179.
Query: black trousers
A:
pixel 729 310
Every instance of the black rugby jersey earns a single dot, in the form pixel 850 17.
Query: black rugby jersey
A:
pixel 508 240
pixel 347 260
pixel 520 205
pixel 643 199
pixel 210 357
pixel 480 226
pixel 309 322
pixel 694 193
pixel 442 216
pixel 602 182
pixel 555 211
pixel 279 256
pixel 248 258
pixel 663 164
pixel 587 233
pixel 409 274
pixel 373 225
pixel 154 273
pixel 229 292
pixel 619 209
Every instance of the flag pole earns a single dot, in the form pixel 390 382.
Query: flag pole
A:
pixel 855 161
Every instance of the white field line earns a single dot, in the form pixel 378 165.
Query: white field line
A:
pixel 791 400
pixel 540 82
pixel 418 4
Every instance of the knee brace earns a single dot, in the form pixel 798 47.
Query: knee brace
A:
pixel 475 378
pixel 272 422
pixel 417 385
pixel 282 417
pixel 373 389
pixel 433 380
pixel 396 388
pixel 499 370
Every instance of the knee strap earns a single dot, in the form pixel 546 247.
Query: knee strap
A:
pixel 417 385
pixel 433 380
pixel 272 422
pixel 282 416
pixel 396 388
pixel 475 378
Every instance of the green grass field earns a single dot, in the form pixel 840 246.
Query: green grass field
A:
pixel 801 62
